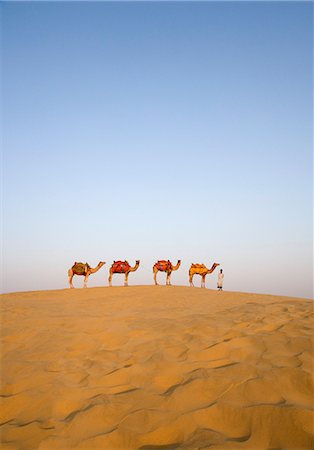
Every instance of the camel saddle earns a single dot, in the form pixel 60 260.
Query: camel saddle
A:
pixel 80 268
pixel 198 266
pixel 163 265
pixel 120 266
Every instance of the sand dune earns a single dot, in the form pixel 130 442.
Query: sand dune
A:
pixel 156 367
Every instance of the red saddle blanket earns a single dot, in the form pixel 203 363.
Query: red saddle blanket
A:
pixel 163 265
pixel 120 266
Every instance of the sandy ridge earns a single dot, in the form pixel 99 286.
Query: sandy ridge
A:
pixel 156 367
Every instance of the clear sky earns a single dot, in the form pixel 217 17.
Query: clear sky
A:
pixel 158 131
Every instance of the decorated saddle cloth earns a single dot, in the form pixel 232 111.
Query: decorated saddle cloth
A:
pixel 80 268
pixel 163 265
pixel 120 266
pixel 198 266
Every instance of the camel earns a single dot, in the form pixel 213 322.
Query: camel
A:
pixel 79 268
pixel 200 269
pixel 165 266
pixel 122 267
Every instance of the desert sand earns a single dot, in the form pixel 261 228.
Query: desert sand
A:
pixel 156 367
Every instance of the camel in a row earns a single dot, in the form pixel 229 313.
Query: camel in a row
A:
pixel 165 266
pixel 125 268
pixel 122 267
pixel 200 269
pixel 82 269
pixel 85 270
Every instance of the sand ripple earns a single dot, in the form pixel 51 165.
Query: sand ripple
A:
pixel 156 368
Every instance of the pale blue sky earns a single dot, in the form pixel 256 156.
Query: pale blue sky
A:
pixel 158 131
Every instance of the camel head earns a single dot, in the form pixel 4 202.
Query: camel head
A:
pixel 176 267
pixel 137 263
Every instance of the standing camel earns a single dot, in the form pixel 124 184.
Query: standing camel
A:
pixel 122 267
pixel 79 268
pixel 200 269
pixel 165 266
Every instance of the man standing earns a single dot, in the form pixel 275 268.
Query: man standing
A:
pixel 220 280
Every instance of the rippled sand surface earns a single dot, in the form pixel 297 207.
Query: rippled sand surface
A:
pixel 155 367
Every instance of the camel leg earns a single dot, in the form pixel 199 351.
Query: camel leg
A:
pixel 85 280
pixel 110 279
pixel 155 277
pixel 126 279
pixel 168 279
pixel 191 281
pixel 70 280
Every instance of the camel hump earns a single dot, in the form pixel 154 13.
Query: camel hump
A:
pixel 80 268
pixel 120 266
pixel 163 265
pixel 198 266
